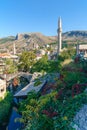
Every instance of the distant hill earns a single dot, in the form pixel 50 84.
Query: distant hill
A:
pixel 75 35
pixel 29 40
pixel 37 38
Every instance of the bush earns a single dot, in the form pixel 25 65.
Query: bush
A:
pixel 46 65
pixel 66 54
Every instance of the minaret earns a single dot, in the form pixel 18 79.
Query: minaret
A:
pixel 14 49
pixel 77 49
pixel 59 31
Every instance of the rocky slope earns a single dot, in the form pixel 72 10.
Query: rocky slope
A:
pixel 26 41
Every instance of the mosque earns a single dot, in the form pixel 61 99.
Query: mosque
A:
pixel 81 49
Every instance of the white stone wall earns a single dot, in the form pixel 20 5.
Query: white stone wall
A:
pixel 2 88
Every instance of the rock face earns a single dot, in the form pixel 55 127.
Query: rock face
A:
pixel 22 36
pixel 19 36
pixel 80 120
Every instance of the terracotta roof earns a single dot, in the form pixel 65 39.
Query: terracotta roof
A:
pixel 7 55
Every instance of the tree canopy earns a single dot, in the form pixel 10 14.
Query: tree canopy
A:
pixel 46 65
pixel 11 66
pixel 27 59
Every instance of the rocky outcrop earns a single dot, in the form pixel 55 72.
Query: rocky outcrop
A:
pixel 22 36
pixel 19 36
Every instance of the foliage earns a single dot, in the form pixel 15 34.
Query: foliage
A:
pixel 74 77
pixel 46 65
pixel 53 43
pixel 47 112
pixel 10 66
pixel 5 106
pixel 55 110
pixel 31 95
pixel 66 54
pixel 64 44
pixel 27 59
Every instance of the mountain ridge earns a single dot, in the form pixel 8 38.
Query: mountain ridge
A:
pixel 68 33
pixel 28 40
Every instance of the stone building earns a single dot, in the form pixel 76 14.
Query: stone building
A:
pixel 2 88
pixel 81 49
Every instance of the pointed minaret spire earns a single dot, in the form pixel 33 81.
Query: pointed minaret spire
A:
pixel 59 31
pixel 14 49
pixel 59 23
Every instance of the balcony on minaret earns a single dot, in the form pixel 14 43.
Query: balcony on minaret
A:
pixel 59 30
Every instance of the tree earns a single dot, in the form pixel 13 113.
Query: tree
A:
pixel 10 66
pixel 27 59
pixel 46 65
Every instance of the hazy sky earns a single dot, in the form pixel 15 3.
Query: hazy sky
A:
pixel 18 16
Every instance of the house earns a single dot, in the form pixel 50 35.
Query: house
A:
pixel 81 49
pixel 8 55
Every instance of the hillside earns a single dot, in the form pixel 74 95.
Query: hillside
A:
pixel 26 41
pixel 7 39
pixel 31 40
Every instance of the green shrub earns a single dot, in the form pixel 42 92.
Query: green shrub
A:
pixel 34 118
pixel 37 110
